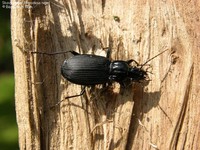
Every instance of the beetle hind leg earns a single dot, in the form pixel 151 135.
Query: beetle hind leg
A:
pixel 82 92
pixel 54 53
pixel 74 53
pixel 67 97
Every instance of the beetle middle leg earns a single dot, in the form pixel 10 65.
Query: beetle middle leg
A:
pixel 108 52
pixel 74 53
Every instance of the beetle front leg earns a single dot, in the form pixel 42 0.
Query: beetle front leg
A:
pixel 131 60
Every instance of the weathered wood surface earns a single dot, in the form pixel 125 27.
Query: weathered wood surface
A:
pixel 162 115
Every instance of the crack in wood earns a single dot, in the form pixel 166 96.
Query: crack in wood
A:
pixel 179 124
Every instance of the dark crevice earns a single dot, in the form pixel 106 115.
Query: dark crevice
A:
pixel 179 124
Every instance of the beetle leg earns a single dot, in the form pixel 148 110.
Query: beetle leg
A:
pixel 74 53
pixel 125 83
pixel 131 60
pixel 54 53
pixel 122 84
pixel 82 92
pixel 108 53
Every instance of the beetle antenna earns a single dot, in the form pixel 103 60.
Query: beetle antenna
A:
pixel 153 58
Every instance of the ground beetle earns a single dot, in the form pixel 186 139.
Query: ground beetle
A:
pixel 86 69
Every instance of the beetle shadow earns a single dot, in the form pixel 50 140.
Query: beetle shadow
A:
pixel 106 102
pixel 143 100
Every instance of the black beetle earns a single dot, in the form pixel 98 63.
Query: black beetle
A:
pixel 86 69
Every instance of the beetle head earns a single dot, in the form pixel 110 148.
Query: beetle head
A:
pixel 137 74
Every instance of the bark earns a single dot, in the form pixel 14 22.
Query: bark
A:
pixel 163 114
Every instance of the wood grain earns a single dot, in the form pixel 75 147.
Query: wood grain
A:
pixel 163 114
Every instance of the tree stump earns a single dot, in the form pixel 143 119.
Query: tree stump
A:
pixel 163 114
